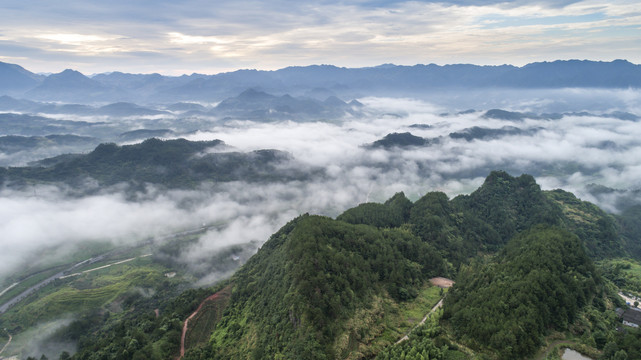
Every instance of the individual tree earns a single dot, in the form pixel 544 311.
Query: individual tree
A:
pixel 621 355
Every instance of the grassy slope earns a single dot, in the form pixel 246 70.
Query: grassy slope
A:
pixel 321 288
pixel 66 299
pixel 624 273
pixel 31 274
pixel 84 292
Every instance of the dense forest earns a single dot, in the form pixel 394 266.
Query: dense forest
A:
pixel 310 279
pixel 538 282
pixel 171 163
pixel 527 263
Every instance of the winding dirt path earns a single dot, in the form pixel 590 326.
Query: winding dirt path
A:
pixel 407 336
pixel 7 344
pixel 186 323
pixel 436 281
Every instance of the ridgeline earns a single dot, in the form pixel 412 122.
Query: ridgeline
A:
pixel 321 288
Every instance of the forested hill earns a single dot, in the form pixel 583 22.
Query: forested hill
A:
pixel 540 281
pixel 304 291
pixel 510 205
pixel 171 163
pixel 490 216
pixel 321 288
pixel 318 287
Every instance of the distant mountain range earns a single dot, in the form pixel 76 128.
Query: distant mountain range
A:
pixel 250 104
pixel 409 140
pixel 317 81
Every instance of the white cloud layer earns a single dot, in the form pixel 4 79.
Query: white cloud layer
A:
pixel 570 153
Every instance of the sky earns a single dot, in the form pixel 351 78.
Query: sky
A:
pixel 183 37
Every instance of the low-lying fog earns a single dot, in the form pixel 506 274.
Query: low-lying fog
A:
pixel 570 153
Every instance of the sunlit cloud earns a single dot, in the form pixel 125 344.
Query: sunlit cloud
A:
pixel 178 38
pixel 75 39
pixel 83 44
pixel 275 35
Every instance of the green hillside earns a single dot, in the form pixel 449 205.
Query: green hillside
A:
pixel 310 280
pixel 539 282
pixel 350 288
pixel 301 292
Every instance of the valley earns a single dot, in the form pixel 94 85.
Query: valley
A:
pixel 321 213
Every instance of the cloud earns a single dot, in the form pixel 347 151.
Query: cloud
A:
pixel 72 38
pixel 37 341
pixel 194 36
pixel 570 153
pixel 600 149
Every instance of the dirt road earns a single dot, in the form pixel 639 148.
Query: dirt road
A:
pixel 7 344
pixel 407 336
pixel 186 323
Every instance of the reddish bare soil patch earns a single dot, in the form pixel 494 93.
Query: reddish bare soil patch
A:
pixel 441 282
pixel 215 303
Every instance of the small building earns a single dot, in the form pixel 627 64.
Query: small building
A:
pixel 632 318
pixel 619 312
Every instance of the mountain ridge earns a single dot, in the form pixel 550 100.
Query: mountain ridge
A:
pixel 379 80
pixel 351 287
pixel 171 163
pixel 298 280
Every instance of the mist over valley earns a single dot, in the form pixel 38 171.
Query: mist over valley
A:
pixel 171 184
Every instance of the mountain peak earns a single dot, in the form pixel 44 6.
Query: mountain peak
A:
pixel 405 139
pixel 70 71
pixel 252 94
pixel 14 78
pixel 68 74
pixel 69 85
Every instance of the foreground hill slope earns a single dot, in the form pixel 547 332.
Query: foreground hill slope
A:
pixel 321 288
pixel 510 205
pixel 296 297
pixel 301 293
pixel 540 281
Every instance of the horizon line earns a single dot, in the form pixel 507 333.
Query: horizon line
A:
pixel 383 65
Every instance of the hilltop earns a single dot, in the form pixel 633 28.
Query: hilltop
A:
pixel 340 288
pixel 170 163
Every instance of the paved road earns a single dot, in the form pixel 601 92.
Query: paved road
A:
pixel 8 288
pixel 630 301
pixel 6 306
